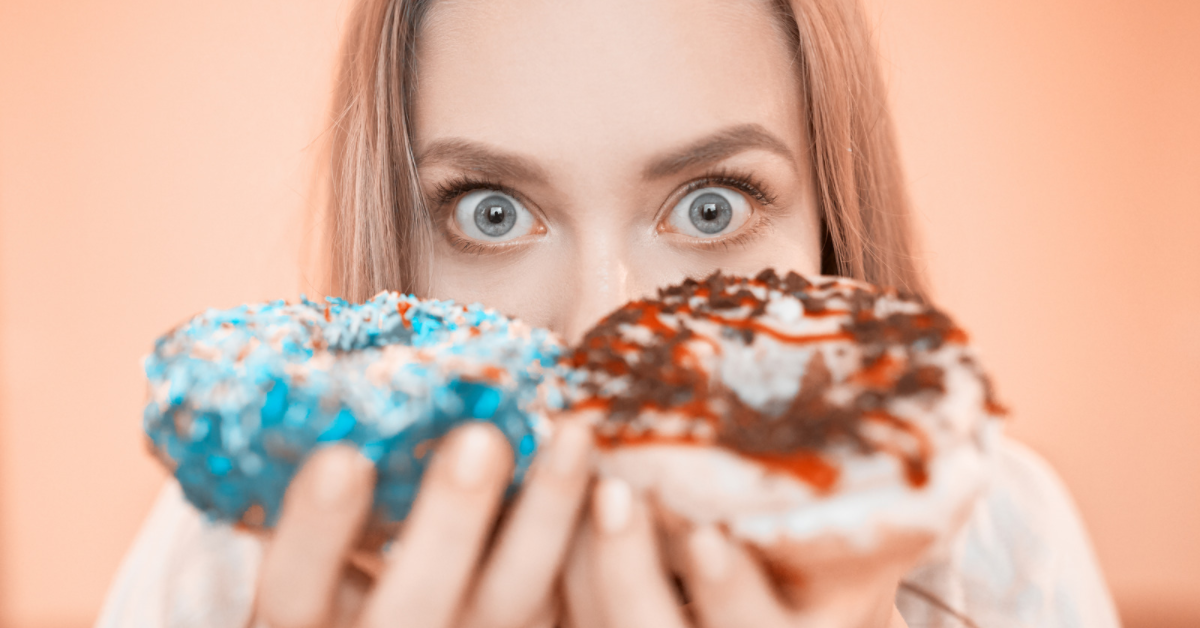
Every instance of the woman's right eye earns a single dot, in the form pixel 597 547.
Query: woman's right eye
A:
pixel 493 216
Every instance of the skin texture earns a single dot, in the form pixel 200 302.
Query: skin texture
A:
pixel 595 118
pixel 590 95
pixel 445 547
pixel 615 577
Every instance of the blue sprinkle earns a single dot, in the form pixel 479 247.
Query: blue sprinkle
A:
pixel 527 445
pixel 374 451
pixel 276 403
pixel 219 465
pixel 296 416
pixel 199 429
pixel 251 464
pixel 341 427
pixel 485 406
pixel 245 402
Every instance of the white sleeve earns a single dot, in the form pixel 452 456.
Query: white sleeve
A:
pixel 183 571
pixel 1023 558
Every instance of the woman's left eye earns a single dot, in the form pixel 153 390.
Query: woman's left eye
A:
pixel 709 212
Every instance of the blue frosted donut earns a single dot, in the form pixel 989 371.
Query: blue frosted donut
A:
pixel 240 397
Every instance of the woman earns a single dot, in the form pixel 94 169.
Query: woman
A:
pixel 554 160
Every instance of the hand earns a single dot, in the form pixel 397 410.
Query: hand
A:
pixel 616 578
pixel 441 570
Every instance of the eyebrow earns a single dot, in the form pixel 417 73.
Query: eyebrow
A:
pixel 470 155
pixel 723 144
pixel 720 145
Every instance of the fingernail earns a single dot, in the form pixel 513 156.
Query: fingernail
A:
pixel 470 456
pixel 568 451
pixel 709 553
pixel 337 471
pixel 614 505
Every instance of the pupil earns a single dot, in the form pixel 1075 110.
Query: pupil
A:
pixel 495 216
pixel 710 213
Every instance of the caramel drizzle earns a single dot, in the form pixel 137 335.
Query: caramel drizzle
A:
pixel 606 350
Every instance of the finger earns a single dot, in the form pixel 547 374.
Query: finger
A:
pixel 437 551
pixel 633 587
pixel 369 564
pixel 728 586
pixel 548 615
pixel 323 513
pixel 349 600
pixel 519 575
pixel 582 604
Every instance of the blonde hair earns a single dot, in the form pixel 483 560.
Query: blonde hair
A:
pixel 378 228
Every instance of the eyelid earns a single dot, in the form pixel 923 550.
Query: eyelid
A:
pixel 479 247
pixel 743 183
pixel 467 244
pixel 733 240
pixel 725 178
pixel 448 194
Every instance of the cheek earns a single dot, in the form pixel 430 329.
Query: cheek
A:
pixel 791 242
pixel 520 286
pixel 567 284
pixel 777 252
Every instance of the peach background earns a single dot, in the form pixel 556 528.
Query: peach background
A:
pixel 155 160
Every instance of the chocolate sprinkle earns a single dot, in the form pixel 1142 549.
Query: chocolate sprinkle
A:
pixel 659 375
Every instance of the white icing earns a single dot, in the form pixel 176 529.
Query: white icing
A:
pixel 761 373
pixel 786 310
pixel 872 497
pixel 713 485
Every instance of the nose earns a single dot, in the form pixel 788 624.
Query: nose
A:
pixel 596 281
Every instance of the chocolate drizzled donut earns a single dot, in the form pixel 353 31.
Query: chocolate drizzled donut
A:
pixel 795 373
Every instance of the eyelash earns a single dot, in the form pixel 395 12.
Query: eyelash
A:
pixel 448 191
pixel 742 181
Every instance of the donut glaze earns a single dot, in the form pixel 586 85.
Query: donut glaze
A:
pixel 790 408
pixel 810 413
pixel 240 397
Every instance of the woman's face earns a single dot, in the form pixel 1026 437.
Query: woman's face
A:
pixel 578 155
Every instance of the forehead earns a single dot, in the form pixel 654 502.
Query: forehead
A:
pixel 554 77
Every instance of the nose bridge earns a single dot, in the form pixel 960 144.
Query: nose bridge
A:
pixel 598 279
